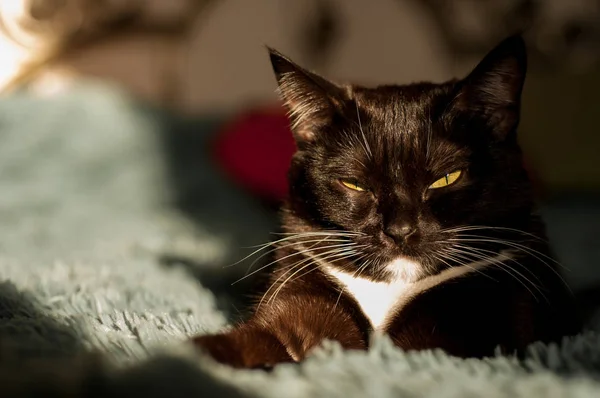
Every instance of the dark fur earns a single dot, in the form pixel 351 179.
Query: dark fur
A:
pixel 397 140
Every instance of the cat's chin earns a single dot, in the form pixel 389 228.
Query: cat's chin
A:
pixel 405 269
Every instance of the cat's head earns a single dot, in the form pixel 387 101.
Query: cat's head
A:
pixel 400 174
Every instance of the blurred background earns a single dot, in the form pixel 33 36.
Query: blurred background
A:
pixel 199 71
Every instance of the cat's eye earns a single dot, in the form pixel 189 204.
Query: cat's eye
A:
pixel 353 185
pixel 446 180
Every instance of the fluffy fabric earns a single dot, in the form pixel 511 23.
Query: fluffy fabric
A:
pixel 115 232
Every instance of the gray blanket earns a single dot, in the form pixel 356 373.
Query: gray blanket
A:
pixel 117 230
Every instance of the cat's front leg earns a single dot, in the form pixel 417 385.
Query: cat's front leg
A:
pixel 246 346
pixel 287 330
pixel 471 317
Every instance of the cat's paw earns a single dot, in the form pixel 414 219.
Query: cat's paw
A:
pixel 221 348
pixel 249 351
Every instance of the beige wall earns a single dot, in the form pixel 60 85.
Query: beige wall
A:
pixel 383 41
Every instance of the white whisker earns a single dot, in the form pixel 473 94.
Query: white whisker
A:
pixel 299 243
pixel 300 262
pixel 366 144
pixel 368 259
pixel 462 261
pixel 328 259
pixel 476 255
pixel 296 253
pixel 528 250
pixel 484 227
pixel 263 246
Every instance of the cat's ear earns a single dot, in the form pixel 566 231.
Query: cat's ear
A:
pixel 311 100
pixel 493 89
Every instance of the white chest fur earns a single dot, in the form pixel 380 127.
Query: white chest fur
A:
pixel 376 299
pixel 380 300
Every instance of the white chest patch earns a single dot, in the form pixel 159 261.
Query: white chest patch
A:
pixel 379 300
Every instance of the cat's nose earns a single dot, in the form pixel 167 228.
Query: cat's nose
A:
pixel 399 232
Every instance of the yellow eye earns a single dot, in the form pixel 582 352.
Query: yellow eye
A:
pixel 353 185
pixel 446 180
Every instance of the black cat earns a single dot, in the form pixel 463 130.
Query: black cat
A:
pixel 410 214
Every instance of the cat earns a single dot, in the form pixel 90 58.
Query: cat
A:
pixel 409 214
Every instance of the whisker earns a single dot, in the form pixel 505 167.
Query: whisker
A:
pixel 498 262
pixel 516 278
pixel 294 235
pixel 301 269
pixel 462 261
pixel 366 144
pixel 473 238
pixel 429 134
pixel 528 250
pixel 272 243
pixel 484 227
pixel 342 257
pixel 291 236
pixel 480 250
pixel 331 232
pixel 311 260
pixel 314 241
pixel 368 260
pixel 296 253
pixel 534 253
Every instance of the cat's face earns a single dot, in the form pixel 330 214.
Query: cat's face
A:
pixel 399 172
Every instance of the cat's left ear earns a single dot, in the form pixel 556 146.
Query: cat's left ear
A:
pixel 311 100
pixel 493 89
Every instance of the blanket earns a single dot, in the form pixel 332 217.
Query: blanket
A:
pixel 117 237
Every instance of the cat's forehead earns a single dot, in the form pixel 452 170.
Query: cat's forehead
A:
pixel 403 123
pixel 395 132
pixel 397 105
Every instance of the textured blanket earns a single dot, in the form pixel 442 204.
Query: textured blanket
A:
pixel 116 235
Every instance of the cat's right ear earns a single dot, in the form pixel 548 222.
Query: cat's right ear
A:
pixel 311 100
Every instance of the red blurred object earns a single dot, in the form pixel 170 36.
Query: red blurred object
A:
pixel 255 150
